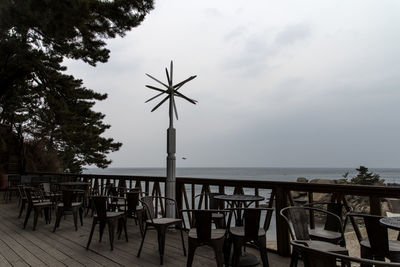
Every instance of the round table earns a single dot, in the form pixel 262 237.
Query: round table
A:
pixel 80 187
pixel 237 200
pixel 391 222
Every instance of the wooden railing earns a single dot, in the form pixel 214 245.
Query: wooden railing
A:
pixel 277 194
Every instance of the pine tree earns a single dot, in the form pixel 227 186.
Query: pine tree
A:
pixel 364 177
pixel 35 92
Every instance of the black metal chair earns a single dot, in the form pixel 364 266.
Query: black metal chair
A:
pixel 133 209
pixel 67 206
pixel 249 232
pixel 37 204
pixel 316 258
pixel 160 224
pixel 201 234
pixel 297 218
pixel 207 201
pixel 103 217
pixel 376 245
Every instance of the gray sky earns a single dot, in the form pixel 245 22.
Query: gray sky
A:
pixel 279 84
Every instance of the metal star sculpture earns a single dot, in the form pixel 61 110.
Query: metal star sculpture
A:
pixel 171 91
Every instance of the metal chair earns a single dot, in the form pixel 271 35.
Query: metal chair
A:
pixel 211 203
pixel 38 205
pixel 160 224
pixel 249 232
pixel 316 258
pixel 376 245
pixel 69 206
pixel 297 218
pixel 104 217
pixel 201 233
pixel 133 209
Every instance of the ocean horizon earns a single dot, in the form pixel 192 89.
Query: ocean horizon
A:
pixel 390 175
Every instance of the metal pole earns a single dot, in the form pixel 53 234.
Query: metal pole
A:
pixel 171 165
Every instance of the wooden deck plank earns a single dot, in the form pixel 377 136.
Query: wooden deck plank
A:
pixel 20 250
pixel 62 250
pixel 34 245
pixel 3 261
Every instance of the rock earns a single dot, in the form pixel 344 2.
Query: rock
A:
pixel 302 180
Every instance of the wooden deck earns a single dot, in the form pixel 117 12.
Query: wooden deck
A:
pixel 66 247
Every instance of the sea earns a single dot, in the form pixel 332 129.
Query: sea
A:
pixel 390 175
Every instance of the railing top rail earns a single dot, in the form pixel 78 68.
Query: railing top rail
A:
pixel 347 189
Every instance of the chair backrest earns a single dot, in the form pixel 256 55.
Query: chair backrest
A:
pixel 377 233
pixel 112 191
pixel 203 224
pixel 316 258
pixel 68 196
pixel 149 205
pixel 28 194
pixel 298 221
pixel 251 222
pixel 132 201
pixel 100 205
pixel 21 191
pixel 331 222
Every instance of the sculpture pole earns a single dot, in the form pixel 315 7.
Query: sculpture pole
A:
pixel 171 91
pixel 171 162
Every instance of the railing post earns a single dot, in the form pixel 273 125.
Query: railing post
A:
pixel 178 195
pixel 282 233
pixel 375 205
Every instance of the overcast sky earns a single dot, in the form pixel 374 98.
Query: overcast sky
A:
pixel 279 84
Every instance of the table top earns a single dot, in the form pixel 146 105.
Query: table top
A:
pixel 74 183
pixel 391 222
pixel 239 198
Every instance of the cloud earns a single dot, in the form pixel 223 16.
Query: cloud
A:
pixel 212 12
pixel 292 34
pixel 258 49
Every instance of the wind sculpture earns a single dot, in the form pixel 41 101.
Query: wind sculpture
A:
pixel 171 91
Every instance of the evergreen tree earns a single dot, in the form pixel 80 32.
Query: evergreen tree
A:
pixel 35 92
pixel 364 177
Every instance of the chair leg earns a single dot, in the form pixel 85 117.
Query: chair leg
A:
pixel 262 246
pixel 102 225
pixel 28 213
pixel 36 212
pixel 80 215
pixel 191 250
pixel 218 245
pixel 75 215
pixel 294 258
pixel 227 249
pixel 141 244
pixel 183 240
pixel 58 218
pixel 91 232
pixel 111 224
pixel 140 219
pixel 126 232
pixel 161 232
pixel 22 208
